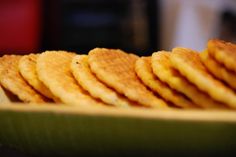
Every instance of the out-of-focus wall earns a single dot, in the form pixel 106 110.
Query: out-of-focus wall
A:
pixel 191 23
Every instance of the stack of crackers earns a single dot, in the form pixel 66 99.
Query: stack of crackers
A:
pixel 183 78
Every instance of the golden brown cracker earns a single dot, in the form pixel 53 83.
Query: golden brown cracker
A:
pixel 218 70
pixel 11 80
pixel 4 97
pixel 223 52
pixel 189 64
pixel 27 68
pixel 144 71
pixel 82 73
pixel 164 70
pixel 53 68
pixel 116 69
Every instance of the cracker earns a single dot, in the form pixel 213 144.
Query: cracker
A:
pixel 223 52
pixel 115 68
pixel 27 68
pixel 189 64
pixel 11 80
pixel 144 71
pixel 53 68
pixel 82 73
pixel 218 70
pixel 4 97
pixel 164 70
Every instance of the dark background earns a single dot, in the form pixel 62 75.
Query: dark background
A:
pixel 85 24
pixel 80 25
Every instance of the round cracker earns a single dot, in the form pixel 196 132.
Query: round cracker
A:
pixel 218 70
pixel 189 64
pixel 4 97
pixel 116 69
pixel 223 52
pixel 53 68
pixel 164 70
pixel 27 68
pixel 82 73
pixel 11 80
pixel 144 71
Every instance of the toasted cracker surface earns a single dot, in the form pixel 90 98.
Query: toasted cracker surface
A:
pixel 189 64
pixel 53 68
pixel 27 68
pixel 164 70
pixel 3 96
pixel 11 80
pixel 144 71
pixel 218 70
pixel 223 52
pixel 116 69
pixel 81 71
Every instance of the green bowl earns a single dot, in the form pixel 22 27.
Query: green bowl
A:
pixel 50 130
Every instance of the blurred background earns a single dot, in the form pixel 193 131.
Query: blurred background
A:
pixel 138 26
